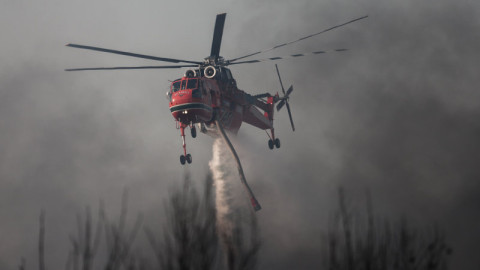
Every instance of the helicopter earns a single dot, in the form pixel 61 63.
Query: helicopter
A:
pixel 207 94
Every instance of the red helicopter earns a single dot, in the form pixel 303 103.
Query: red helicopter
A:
pixel 207 93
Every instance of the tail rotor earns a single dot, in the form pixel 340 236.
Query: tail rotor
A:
pixel 285 98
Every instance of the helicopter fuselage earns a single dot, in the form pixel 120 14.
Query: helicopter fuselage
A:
pixel 202 100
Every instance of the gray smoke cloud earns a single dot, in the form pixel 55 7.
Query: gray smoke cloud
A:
pixel 397 113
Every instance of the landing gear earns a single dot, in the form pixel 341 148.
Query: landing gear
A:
pixel 273 142
pixel 187 158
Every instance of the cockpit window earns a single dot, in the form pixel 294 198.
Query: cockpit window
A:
pixel 175 86
pixel 184 84
pixel 192 83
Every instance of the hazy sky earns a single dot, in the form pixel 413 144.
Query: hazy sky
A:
pixel 398 113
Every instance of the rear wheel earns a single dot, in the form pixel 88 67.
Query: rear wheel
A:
pixel 189 158
pixel 277 142
pixel 194 132
pixel 182 159
pixel 270 144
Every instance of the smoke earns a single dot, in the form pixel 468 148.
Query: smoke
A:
pixel 397 113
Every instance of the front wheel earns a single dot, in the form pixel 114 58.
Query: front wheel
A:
pixel 189 158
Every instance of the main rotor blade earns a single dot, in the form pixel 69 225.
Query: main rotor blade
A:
pixel 141 67
pixel 290 115
pixel 172 60
pixel 294 41
pixel 279 78
pixel 217 35
pixel 285 57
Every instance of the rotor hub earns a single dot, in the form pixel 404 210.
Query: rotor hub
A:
pixel 214 61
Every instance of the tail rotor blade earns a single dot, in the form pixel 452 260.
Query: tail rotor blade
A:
pixel 280 105
pixel 290 90
pixel 280 79
pixel 285 98
pixel 290 115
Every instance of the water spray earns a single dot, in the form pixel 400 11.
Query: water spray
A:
pixel 256 206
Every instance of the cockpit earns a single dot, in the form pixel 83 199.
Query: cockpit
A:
pixel 187 83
